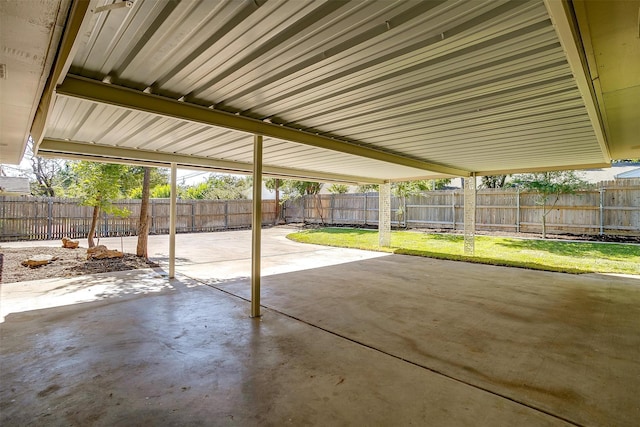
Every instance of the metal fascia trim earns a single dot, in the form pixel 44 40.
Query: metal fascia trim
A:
pixel 561 17
pixel 68 46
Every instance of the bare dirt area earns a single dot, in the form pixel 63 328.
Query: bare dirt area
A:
pixel 67 263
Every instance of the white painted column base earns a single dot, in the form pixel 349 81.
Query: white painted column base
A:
pixel 469 214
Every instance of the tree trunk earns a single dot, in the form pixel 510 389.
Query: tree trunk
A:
pixel 319 208
pixel 94 225
pixel 143 223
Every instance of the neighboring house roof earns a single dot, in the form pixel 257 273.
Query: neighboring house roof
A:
pixel 609 174
pixel 633 173
pixel 11 185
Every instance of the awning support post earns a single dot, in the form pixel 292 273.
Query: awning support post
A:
pixel 256 226
pixel 384 215
pixel 173 211
pixel 469 214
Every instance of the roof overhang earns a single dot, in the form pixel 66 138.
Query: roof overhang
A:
pixel 29 38
pixel 353 92
pixel 609 33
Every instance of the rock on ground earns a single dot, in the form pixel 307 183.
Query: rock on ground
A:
pixel 69 263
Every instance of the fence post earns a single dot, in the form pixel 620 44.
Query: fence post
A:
pixel 602 190
pixel 366 210
pixel 453 208
pixel 106 224
pixel 517 209
pixel 331 207
pixel 283 211
pixel 36 232
pixel 50 219
pixel 304 209
pixel 193 216
pixel 226 214
pixel 153 215
pixel 405 214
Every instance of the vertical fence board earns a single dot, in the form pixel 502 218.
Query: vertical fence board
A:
pixel 506 210
pixel 39 218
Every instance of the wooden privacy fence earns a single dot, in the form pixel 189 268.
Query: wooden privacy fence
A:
pixel 612 208
pixel 43 218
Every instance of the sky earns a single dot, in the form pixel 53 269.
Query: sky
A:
pixel 185 176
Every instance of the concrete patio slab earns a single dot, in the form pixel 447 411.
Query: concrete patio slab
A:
pixel 417 341
pixel 565 344
pixel 180 353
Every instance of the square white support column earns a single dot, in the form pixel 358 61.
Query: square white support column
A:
pixel 173 211
pixel 469 214
pixel 256 226
pixel 384 215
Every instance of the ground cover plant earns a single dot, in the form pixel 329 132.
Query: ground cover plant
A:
pixel 550 255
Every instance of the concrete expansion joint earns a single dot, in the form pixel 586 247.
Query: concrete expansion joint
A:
pixel 386 353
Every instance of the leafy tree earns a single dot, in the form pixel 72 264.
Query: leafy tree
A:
pixel 135 193
pixel 45 175
pixel 550 186
pixel 368 188
pixel 161 191
pixel 218 187
pixel 195 192
pixel 293 189
pixel 405 188
pixel 493 181
pixel 98 185
pixel 227 187
pixel 301 188
pixel 157 176
pixel 440 184
pixel 409 187
pixel 338 189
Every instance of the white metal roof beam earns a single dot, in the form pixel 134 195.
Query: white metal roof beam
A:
pixel 73 27
pixel 80 87
pixel 562 18
pixel 103 153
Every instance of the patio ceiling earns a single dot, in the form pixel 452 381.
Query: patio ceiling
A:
pixel 354 91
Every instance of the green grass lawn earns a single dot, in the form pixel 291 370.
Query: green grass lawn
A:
pixel 568 257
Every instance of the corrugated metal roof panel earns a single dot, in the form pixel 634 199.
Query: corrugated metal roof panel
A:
pixel 476 85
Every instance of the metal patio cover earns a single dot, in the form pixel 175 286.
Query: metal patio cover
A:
pixel 353 91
